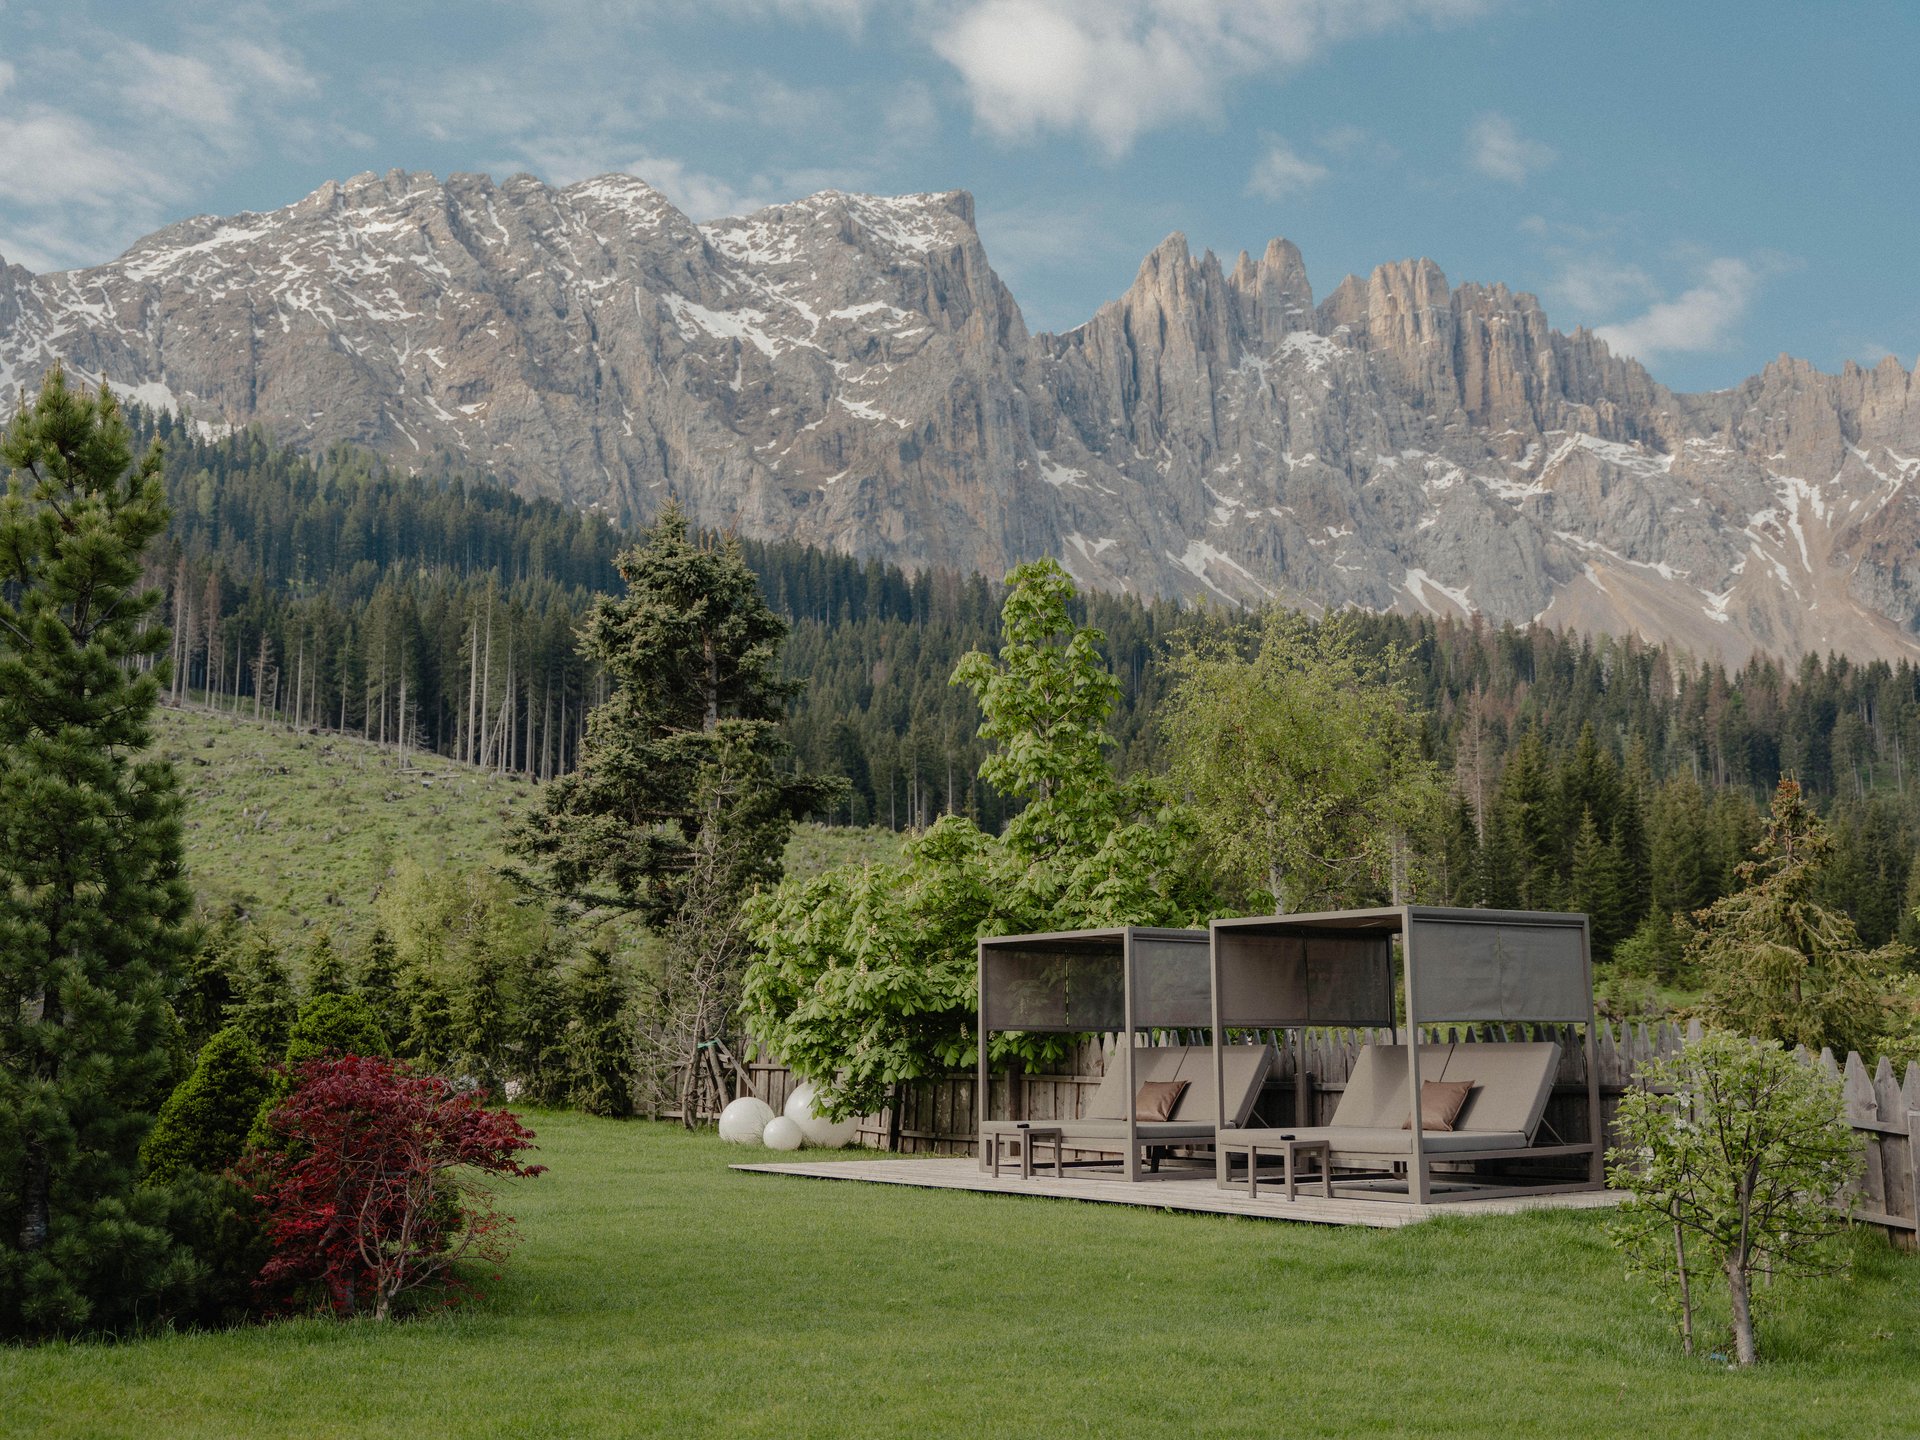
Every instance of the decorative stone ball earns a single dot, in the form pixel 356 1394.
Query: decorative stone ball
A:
pixel 782 1134
pixel 827 1134
pixel 742 1122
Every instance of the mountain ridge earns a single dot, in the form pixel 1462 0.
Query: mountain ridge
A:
pixel 849 370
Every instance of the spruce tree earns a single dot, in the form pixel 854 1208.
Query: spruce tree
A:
pixel 93 908
pixel 263 1002
pixel 692 650
pixel 326 971
pixel 378 983
pixel 1778 964
pixel 687 789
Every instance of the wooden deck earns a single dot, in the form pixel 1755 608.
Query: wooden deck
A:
pixel 1189 1190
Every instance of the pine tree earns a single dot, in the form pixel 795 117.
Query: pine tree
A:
pixel 686 791
pixel 600 1038
pixel 203 1124
pixel 693 650
pixel 263 1001
pixel 326 971
pixel 1778 964
pixel 1596 886
pixel 93 914
pixel 378 983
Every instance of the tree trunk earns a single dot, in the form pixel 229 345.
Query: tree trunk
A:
pixel 1686 1291
pixel 36 1199
pixel 1740 1294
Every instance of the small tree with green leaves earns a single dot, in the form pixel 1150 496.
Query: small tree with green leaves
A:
pixel 1737 1154
pixel 1301 754
pixel 1777 963
pixel 864 977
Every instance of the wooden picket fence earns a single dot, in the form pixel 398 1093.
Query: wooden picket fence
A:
pixel 937 1116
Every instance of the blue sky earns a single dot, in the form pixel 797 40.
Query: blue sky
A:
pixel 1710 182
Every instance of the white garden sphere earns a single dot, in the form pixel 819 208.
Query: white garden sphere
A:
pixel 742 1122
pixel 782 1134
pixel 827 1134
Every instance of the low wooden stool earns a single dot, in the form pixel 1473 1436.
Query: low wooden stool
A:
pixel 1028 1138
pixel 1291 1153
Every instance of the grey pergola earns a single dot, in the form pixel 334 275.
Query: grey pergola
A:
pixel 1123 979
pixel 1336 969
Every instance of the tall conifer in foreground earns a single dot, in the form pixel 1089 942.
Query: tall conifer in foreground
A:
pixel 92 903
pixel 686 791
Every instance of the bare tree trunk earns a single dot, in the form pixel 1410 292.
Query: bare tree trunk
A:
pixel 473 695
pixel 1739 1292
pixel 1686 1290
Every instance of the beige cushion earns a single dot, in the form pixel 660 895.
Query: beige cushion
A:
pixel 1513 1080
pixel 1364 1140
pixel 1441 1101
pixel 1376 1093
pixel 1113 1099
pixel 1246 1067
pixel 1158 1099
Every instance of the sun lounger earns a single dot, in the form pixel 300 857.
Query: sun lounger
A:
pixel 1103 1129
pixel 1368 1130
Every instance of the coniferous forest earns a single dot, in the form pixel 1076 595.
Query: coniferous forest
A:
pixel 437 611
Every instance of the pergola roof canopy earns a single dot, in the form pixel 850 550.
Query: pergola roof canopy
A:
pixel 1077 980
pixel 1336 969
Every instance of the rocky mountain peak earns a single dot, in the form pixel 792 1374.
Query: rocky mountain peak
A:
pixel 849 370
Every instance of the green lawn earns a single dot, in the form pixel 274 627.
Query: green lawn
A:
pixel 659 1293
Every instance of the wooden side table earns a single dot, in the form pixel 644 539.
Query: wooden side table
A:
pixel 1027 1139
pixel 1291 1153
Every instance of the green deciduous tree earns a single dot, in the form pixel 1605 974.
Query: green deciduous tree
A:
pixel 1735 1153
pixel 1777 963
pixel 865 976
pixel 93 906
pixel 1303 762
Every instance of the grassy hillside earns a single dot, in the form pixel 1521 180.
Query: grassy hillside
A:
pixel 659 1293
pixel 300 829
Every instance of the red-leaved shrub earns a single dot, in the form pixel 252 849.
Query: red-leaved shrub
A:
pixel 376 1185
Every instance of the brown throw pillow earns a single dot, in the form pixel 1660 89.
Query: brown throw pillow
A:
pixel 1441 1102
pixel 1157 1099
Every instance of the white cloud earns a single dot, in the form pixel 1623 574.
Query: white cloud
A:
pixel 1282 171
pixel 6 77
pixel 1117 69
pixel 700 195
pixel 1496 149
pixel 1595 285
pixel 1701 318
pixel 118 136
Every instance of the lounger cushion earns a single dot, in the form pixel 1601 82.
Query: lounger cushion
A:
pixel 1113 1099
pixel 1157 1099
pixel 1368 1140
pixel 1246 1067
pixel 1151 1132
pixel 1441 1102
pixel 1376 1093
pixel 1512 1082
